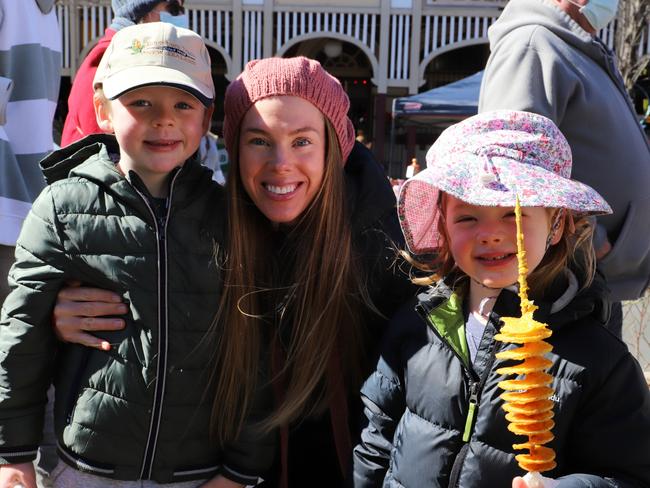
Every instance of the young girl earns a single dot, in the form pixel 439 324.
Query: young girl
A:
pixel 433 404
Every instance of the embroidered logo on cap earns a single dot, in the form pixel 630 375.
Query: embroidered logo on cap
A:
pixel 158 47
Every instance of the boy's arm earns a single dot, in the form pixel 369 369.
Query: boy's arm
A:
pixel 27 344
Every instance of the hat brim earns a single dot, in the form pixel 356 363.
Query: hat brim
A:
pixel 140 76
pixel 535 186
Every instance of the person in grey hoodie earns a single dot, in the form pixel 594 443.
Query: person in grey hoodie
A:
pixel 546 58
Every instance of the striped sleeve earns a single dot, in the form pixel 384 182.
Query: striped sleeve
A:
pixel 30 55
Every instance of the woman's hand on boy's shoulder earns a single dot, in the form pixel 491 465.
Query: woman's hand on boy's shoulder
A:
pixel 81 309
pixel 15 475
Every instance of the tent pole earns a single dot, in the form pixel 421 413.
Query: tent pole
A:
pixel 392 138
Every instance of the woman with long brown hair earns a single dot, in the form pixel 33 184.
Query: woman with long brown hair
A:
pixel 308 268
pixel 310 222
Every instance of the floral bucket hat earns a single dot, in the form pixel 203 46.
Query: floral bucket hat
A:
pixel 487 160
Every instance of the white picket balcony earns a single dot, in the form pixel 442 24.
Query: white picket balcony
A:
pixel 399 42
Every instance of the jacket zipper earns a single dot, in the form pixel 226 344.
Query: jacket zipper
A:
pixel 161 366
pixel 471 412
pixel 475 386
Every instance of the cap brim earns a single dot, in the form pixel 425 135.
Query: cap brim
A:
pixel 140 76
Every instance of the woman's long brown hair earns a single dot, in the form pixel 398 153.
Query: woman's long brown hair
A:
pixel 324 292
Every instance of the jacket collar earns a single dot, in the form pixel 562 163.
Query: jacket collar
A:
pixel 58 164
pixel 94 158
pixel 571 305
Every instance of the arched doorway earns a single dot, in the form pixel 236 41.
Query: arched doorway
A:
pixel 454 65
pixel 352 68
pixel 412 140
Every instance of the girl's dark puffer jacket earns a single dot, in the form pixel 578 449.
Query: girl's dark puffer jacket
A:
pixel 435 422
pixel 142 409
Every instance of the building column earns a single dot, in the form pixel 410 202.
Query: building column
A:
pixel 237 38
pixel 74 36
pixel 381 78
pixel 414 66
pixel 411 141
pixel 267 39
pixel 379 129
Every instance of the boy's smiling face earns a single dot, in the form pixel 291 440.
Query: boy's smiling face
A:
pixel 157 127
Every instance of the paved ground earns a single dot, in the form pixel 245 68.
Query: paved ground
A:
pixel 636 330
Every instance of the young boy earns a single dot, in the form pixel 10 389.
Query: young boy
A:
pixel 133 213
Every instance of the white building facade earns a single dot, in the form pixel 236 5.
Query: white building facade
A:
pixel 379 49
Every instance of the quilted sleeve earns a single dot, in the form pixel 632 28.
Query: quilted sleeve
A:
pixel 27 343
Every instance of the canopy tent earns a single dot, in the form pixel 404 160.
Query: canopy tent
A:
pixel 434 110
pixel 441 106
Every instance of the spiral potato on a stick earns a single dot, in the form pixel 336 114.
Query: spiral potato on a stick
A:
pixel 529 409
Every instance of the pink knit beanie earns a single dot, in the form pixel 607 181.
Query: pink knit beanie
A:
pixel 299 77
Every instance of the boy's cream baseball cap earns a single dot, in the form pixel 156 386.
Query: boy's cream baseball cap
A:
pixel 156 53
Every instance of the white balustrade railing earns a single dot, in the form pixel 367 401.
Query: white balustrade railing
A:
pixel 214 25
pixel 253 35
pixel 443 31
pixel 400 35
pixel 242 35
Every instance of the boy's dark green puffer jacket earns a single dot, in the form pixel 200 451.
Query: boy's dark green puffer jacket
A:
pixel 140 410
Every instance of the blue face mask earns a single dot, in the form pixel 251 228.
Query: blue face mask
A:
pixel 177 20
pixel 599 13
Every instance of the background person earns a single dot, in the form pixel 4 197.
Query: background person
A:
pixel 80 120
pixel 545 58
pixel 413 168
pixel 30 54
pixel 30 49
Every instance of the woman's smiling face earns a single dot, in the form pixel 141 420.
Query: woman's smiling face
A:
pixel 282 143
